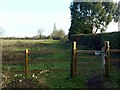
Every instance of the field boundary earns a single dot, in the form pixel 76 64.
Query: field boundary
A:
pixel 25 60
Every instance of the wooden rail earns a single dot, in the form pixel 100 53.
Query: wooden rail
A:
pixel 87 63
pixel 54 61
pixel 47 51
pixel 21 53
pixel 86 51
pixel 84 57
pixel 115 50
pixel 35 61
pixel 115 60
pixel 13 52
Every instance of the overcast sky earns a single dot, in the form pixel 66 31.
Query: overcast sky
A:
pixel 24 17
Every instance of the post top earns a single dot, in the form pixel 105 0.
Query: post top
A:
pixel 74 44
pixel 107 42
pixel 107 45
pixel 26 50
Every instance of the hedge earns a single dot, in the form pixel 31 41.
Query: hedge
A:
pixel 96 41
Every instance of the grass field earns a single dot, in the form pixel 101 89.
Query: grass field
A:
pixel 50 67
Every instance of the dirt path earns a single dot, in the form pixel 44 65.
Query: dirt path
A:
pixel 95 82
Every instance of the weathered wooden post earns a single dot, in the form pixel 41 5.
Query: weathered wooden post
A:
pixel 73 71
pixel 107 58
pixel 26 63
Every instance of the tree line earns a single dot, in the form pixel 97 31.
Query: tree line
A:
pixel 55 35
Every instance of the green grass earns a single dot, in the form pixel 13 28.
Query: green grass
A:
pixel 61 60
pixel 64 81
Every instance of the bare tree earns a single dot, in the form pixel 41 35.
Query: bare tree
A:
pixel 40 31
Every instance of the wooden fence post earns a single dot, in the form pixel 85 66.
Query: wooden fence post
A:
pixel 107 59
pixel 26 63
pixel 73 71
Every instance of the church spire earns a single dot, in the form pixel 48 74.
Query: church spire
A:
pixel 54 27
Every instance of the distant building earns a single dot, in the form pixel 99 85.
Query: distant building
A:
pixel 54 28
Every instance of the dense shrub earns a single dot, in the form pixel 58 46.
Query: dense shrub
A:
pixel 96 41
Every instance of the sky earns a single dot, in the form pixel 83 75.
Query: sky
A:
pixel 24 17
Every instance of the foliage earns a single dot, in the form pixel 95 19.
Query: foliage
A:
pixel 89 17
pixel 96 41
pixel 58 34
pixel 117 13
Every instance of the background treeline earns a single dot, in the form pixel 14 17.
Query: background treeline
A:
pixel 96 41
pixel 37 37
pixel 45 37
